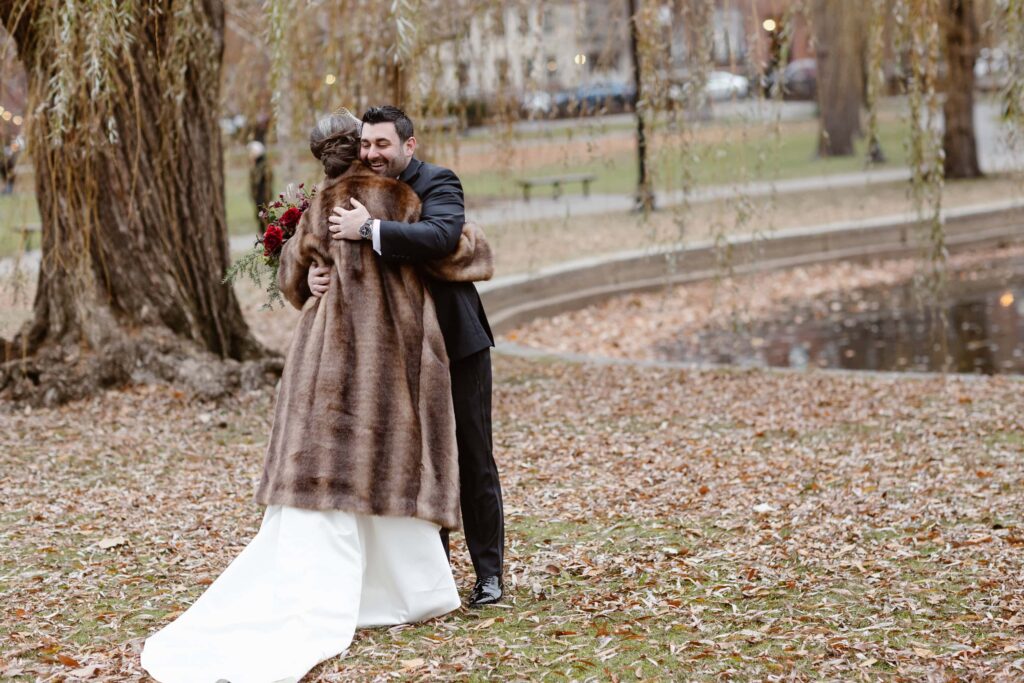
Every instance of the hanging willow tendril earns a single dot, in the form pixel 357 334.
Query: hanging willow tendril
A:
pixel 680 157
pixel 920 20
pixel 875 77
pixel 1009 17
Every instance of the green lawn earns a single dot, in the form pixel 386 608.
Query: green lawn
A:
pixel 749 156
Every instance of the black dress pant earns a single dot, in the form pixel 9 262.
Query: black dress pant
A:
pixel 483 518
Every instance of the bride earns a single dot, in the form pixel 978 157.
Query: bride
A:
pixel 361 471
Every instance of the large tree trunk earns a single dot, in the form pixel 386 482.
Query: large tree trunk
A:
pixel 958 141
pixel 839 35
pixel 134 231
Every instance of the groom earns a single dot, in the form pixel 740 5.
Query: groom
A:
pixel 387 147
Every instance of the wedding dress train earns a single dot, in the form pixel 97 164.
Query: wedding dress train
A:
pixel 297 592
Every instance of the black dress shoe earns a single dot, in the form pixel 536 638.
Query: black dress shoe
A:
pixel 487 591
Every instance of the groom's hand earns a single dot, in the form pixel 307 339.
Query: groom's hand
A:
pixel 318 279
pixel 344 225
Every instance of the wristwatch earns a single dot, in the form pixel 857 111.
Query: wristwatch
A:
pixel 366 229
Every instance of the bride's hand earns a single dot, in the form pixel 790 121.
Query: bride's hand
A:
pixel 318 279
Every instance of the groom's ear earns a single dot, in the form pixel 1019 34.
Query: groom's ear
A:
pixel 410 145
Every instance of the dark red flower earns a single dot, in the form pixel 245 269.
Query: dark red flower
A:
pixel 273 238
pixel 290 219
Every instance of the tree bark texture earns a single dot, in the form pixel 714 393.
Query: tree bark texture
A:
pixel 839 29
pixel 134 237
pixel 958 139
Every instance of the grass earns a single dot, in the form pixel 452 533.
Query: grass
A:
pixel 746 157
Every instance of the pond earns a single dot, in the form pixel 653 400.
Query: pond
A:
pixel 978 327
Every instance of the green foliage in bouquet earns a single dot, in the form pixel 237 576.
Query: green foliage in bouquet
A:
pixel 264 259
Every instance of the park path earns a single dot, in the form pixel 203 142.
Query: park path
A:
pixel 544 208
pixel 995 156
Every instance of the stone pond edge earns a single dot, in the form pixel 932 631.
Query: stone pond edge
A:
pixel 514 300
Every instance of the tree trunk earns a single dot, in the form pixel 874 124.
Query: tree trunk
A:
pixel 839 35
pixel 958 140
pixel 644 191
pixel 134 232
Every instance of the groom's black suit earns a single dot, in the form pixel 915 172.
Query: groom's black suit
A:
pixel 468 340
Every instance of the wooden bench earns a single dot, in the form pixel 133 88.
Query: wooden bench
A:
pixel 441 124
pixel 556 181
pixel 26 230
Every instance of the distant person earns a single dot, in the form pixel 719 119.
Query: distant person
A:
pixel 261 180
pixel 7 166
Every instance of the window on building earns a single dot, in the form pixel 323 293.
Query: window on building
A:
pixel 498 20
pixel 551 68
pixel 501 70
pixel 528 63
pixel 524 21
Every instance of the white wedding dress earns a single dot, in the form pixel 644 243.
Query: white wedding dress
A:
pixel 297 592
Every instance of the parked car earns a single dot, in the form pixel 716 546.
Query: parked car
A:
pixel 799 80
pixel 991 69
pixel 594 98
pixel 722 85
pixel 537 104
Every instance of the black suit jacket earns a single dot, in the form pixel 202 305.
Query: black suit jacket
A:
pixel 459 310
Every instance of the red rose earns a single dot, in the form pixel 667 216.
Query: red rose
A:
pixel 273 238
pixel 290 218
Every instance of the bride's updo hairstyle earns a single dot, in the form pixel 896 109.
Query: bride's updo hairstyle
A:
pixel 334 140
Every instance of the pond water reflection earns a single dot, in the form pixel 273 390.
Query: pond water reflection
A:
pixel 886 328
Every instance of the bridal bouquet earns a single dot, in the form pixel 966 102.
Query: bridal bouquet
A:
pixel 282 217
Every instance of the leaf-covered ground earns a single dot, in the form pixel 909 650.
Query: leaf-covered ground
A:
pixel 662 525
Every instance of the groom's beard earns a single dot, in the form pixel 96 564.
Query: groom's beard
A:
pixel 389 168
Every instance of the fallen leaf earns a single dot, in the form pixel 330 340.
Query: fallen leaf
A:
pixel 85 672
pixel 108 543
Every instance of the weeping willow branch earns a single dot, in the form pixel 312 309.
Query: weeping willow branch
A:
pixel 875 77
pixel 922 24
pixel 1010 20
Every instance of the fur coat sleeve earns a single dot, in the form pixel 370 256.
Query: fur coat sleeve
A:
pixel 294 266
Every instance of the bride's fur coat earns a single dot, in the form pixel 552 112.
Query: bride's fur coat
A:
pixel 364 419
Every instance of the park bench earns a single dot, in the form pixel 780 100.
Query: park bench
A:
pixel 556 181
pixel 26 230
pixel 440 124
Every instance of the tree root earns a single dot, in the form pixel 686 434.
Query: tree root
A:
pixel 57 374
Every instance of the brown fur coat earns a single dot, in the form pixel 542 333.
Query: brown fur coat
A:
pixel 364 419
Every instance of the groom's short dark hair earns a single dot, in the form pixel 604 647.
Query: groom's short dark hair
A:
pixel 390 114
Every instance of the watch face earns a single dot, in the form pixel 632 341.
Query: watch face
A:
pixel 365 231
